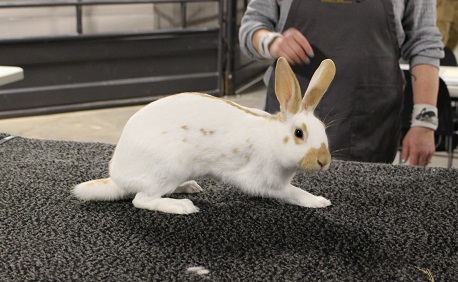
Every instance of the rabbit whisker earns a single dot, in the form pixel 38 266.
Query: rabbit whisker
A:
pixel 337 103
pixel 338 151
pixel 335 118
pixel 329 112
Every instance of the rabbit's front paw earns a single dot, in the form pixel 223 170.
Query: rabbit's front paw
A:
pixel 181 206
pixel 317 202
pixel 300 197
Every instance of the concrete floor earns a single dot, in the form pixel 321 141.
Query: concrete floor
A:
pixel 106 125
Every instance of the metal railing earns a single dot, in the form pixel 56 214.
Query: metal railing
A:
pixel 79 4
pixel 225 29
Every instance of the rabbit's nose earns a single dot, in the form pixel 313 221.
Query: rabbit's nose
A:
pixel 324 158
pixel 316 159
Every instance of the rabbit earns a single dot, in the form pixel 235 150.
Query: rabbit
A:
pixel 181 137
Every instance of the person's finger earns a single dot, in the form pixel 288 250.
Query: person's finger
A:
pixel 293 44
pixel 299 51
pixel 291 49
pixel 298 44
pixel 414 157
pixel 405 152
pixel 283 49
pixel 302 42
pixel 425 158
pixel 418 146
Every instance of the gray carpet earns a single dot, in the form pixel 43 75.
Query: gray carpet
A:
pixel 384 223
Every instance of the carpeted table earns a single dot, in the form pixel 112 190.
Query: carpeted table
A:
pixel 387 223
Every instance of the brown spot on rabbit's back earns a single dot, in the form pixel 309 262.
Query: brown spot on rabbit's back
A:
pixel 206 132
pixel 277 117
pixel 184 127
pixel 250 144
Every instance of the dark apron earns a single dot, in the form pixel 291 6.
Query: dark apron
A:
pixel 363 104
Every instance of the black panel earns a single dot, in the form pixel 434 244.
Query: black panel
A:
pixel 71 71
pixel 93 71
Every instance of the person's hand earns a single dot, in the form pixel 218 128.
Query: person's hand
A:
pixel 418 146
pixel 293 46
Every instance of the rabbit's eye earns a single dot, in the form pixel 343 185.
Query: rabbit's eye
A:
pixel 298 133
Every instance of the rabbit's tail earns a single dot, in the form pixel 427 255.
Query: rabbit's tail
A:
pixel 99 190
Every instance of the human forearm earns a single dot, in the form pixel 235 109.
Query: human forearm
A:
pixel 418 35
pixel 260 15
pixel 258 37
pixel 418 144
pixel 425 84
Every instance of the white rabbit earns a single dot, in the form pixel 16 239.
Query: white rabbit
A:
pixel 181 137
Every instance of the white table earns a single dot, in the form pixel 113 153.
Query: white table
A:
pixel 10 74
pixel 450 77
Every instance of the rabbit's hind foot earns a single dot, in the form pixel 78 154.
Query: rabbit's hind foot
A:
pixel 166 205
pixel 188 187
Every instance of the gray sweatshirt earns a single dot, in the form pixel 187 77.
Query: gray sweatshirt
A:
pixel 418 37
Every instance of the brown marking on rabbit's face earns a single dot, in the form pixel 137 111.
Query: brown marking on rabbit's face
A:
pixel 285 139
pixel 185 127
pixel 316 159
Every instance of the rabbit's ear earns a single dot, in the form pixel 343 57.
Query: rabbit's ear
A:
pixel 287 87
pixel 318 85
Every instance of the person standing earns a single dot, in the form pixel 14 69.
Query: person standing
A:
pixel 365 39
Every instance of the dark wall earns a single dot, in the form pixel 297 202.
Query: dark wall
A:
pixel 74 73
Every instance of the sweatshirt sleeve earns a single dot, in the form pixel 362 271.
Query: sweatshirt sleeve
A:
pixel 421 39
pixel 259 14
